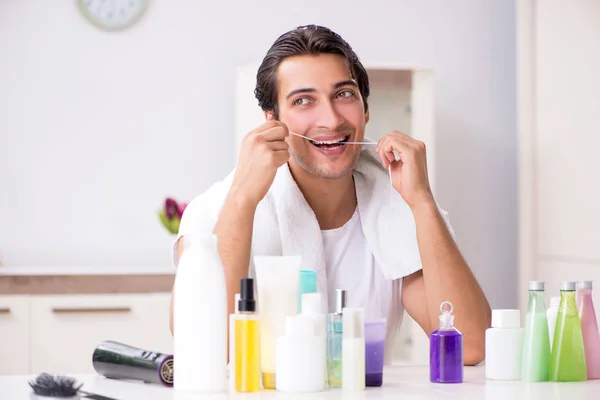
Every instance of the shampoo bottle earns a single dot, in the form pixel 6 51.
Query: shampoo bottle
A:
pixel 353 349
pixel 446 349
pixel 200 318
pixel 504 346
pixel 536 345
pixel 567 363
pixel 300 365
pixel 552 313
pixel 589 328
pixel 334 341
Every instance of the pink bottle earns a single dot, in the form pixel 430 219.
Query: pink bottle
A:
pixel 589 328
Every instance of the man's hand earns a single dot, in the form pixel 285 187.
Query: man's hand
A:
pixel 263 151
pixel 409 174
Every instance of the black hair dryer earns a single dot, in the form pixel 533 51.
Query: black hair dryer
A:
pixel 119 361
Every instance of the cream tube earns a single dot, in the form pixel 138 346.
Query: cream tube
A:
pixel 277 279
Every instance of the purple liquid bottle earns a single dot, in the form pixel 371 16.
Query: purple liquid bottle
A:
pixel 446 349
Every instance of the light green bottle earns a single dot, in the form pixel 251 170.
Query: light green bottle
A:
pixel 567 363
pixel 536 344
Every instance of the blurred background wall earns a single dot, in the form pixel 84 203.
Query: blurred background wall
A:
pixel 97 128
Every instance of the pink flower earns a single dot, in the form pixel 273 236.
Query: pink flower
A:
pixel 171 208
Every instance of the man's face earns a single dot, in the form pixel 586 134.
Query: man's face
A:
pixel 318 98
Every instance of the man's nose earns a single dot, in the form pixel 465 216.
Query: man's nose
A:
pixel 329 116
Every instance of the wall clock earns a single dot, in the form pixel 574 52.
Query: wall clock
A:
pixel 113 15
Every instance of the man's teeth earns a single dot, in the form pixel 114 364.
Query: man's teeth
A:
pixel 331 141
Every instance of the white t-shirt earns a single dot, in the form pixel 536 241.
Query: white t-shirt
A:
pixel 351 266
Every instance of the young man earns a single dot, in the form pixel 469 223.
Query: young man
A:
pixel 329 201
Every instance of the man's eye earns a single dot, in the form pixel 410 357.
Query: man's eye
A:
pixel 346 93
pixel 301 101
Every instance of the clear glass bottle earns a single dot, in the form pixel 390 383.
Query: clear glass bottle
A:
pixel 334 341
pixel 589 329
pixel 536 345
pixel 567 363
pixel 446 349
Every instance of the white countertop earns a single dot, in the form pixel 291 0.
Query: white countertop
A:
pixel 399 382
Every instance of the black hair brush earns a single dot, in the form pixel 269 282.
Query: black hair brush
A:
pixel 61 387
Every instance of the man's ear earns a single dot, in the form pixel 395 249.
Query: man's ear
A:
pixel 269 115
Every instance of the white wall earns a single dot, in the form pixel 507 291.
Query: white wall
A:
pixel 97 128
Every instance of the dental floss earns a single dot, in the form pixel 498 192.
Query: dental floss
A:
pixel 313 140
pixel 371 142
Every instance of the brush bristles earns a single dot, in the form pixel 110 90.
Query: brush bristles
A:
pixel 54 386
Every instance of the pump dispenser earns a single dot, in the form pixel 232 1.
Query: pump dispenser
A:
pixel 446 349
pixel 247 341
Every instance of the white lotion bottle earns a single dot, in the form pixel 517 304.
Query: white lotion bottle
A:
pixel 299 357
pixel 200 318
pixel 353 349
pixel 231 366
pixel 551 314
pixel 504 346
pixel 311 306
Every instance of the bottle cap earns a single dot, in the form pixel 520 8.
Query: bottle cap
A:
pixel 340 300
pixel 446 319
pixel 236 303
pixel 299 325
pixel 353 323
pixel 567 286
pixel 247 302
pixel 506 319
pixel 554 301
pixel 584 285
pixel 311 304
pixel 536 285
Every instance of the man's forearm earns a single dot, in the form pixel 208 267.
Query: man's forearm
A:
pixel 234 232
pixel 447 277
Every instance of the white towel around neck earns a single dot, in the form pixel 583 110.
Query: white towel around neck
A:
pixel 284 223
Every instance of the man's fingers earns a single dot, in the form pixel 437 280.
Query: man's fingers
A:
pixel 278 145
pixel 276 133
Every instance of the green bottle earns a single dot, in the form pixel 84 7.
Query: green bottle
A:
pixel 536 344
pixel 568 357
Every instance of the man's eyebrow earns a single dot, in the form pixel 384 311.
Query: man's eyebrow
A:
pixel 303 90
pixel 349 82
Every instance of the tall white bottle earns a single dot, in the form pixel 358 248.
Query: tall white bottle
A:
pixel 200 318
pixel 353 349
pixel 504 346
pixel 231 367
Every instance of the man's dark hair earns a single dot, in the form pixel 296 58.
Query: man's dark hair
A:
pixel 305 40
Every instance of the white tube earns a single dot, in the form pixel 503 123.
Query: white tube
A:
pixel 277 279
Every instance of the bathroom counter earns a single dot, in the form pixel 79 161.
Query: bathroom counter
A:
pixel 400 382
